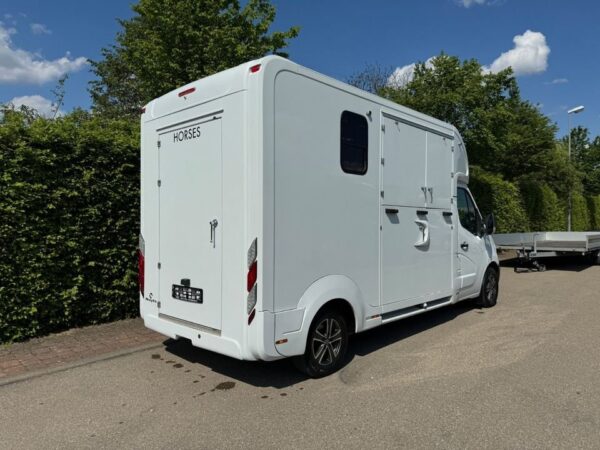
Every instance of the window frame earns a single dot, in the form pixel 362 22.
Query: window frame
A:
pixel 344 144
pixel 478 218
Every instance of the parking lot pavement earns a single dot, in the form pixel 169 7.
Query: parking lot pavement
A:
pixel 525 374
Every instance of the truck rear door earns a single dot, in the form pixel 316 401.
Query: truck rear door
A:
pixel 190 209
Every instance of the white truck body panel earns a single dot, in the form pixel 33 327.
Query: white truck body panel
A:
pixel 254 154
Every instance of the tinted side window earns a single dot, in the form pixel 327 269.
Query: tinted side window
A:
pixel 354 145
pixel 467 212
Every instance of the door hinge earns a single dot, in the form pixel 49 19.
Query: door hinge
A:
pixel 158 265
pixel 383 161
pixel 451 174
pixel 382 194
pixel 383 127
pixel 158 144
pixel 452 148
pixel 158 183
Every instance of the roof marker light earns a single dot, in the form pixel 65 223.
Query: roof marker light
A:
pixel 255 68
pixel 186 92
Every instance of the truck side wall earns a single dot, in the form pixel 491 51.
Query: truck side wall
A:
pixel 326 220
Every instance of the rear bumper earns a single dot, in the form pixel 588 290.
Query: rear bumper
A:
pixel 198 338
pixel 259 337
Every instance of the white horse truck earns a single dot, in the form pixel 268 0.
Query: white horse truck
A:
pixel 282 211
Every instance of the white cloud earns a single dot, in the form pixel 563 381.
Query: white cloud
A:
pixel 404 75
pixel 21 66
pixel 42 105
pixel 469 3
pixel 529 55
pixel 39 28
pixel 558 81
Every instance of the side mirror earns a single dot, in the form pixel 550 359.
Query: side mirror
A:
pixel 490 224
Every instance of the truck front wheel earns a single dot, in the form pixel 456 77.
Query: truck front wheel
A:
pixel 489 288
pixel 326 345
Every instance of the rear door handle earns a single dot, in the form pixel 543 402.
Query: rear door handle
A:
pixel 391 210
pixel 464 246
pixel 213 233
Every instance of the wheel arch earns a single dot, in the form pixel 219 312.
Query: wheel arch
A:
pixel 496 267
pixel 332 291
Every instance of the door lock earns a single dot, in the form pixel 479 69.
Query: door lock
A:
pixel 464 246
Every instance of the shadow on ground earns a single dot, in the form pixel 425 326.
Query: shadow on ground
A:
pixel 282 373
pixel 559 263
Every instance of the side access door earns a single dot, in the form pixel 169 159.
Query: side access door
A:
pixel 190 209
pixel 416 231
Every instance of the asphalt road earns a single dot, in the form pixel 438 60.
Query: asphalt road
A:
pixel 525 374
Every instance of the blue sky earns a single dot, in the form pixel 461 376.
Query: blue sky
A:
pixel 554 45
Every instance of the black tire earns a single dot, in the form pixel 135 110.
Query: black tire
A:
pixel 489 288
pixel 326 345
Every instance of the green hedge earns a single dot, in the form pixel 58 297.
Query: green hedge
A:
pixel 493 194
pixel 68 222
pixel 594 211
pixel 580 216
pixel 544 210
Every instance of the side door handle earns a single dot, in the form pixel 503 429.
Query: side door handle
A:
pixel 424 229
pixel 464 246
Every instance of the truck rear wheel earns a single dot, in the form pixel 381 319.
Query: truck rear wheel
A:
pixel 489 288
pixel 326 345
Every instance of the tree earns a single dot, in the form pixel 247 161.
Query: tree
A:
pixel 585 155
pixel 372 79
pixel 169 43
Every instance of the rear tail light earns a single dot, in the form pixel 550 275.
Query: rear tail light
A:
pixel 141 265
pixel 255 68
pixel 251 300
pixel 251 316
pixel 251 278
pixel 252 275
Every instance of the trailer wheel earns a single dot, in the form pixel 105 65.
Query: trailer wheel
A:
pixel 489 288
pixel 326 345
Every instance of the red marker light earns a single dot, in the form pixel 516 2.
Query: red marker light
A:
pixel 255 68
pixel 186 92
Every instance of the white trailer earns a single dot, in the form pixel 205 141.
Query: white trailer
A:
pixel 282 210
pixel 530 247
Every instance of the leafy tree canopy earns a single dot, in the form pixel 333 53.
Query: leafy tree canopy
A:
pixel 169 43
pixel 585 154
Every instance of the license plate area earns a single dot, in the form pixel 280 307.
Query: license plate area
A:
pixel 187 293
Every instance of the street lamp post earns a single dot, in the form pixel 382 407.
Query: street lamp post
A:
pixel 575 110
